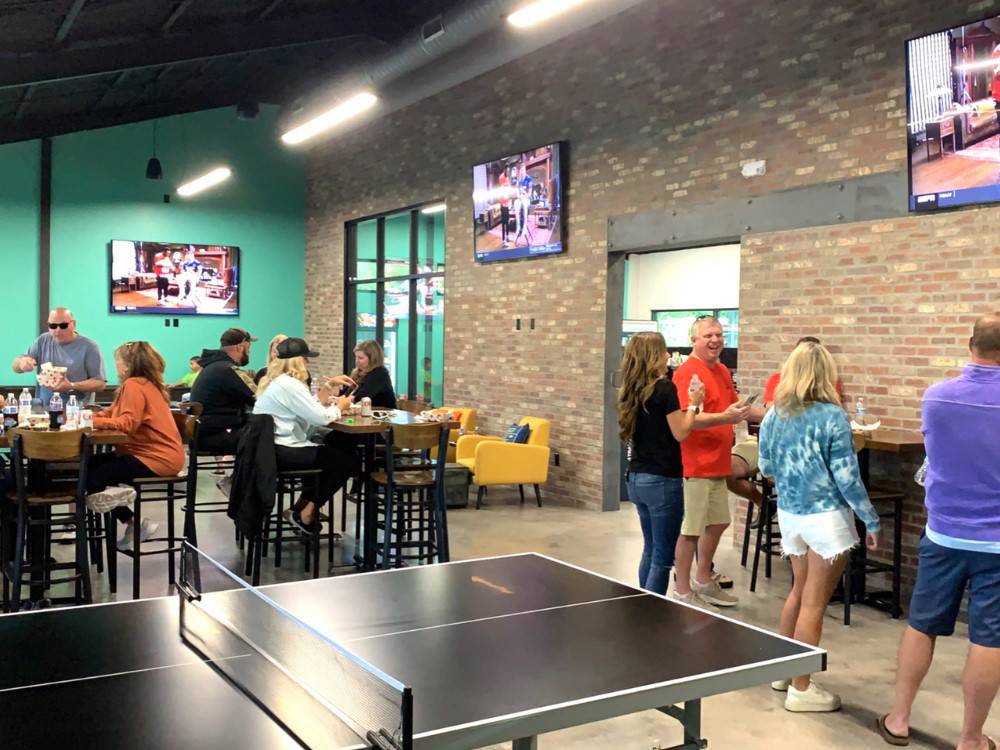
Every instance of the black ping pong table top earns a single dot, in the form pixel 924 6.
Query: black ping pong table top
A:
pixel 494 649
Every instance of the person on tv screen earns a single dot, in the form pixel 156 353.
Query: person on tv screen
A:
pixel 163 266
pixel 189 277
pixel 503 183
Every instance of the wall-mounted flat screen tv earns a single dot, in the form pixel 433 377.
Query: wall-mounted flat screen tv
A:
pixel 518 204
pixel 165 278
pixel 953 131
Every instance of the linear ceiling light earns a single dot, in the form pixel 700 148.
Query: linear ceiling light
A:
pixel 540 10
pixel 436 208
pixel 217 175
pixel 343 111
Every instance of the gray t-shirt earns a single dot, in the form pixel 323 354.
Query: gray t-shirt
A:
pixel 81 357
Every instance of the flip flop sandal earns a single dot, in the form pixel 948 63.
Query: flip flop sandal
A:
pixel 892 739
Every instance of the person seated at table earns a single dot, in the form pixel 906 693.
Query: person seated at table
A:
pixel 807 446
pixel 369 375
pixel 272 353
pixel 188 379
pixel 298 419
pixel 141 409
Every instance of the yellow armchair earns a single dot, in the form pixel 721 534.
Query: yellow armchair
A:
pixel 467 418
pixel 492 460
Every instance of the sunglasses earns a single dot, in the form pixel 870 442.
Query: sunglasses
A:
pixel 54 326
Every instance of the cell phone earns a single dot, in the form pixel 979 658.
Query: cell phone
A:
pixel 750 399
pixel 350 390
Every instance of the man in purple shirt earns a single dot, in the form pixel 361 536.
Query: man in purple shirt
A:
pixel 961 546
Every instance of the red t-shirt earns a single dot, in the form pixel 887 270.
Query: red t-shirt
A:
pixel 772 384
pixel 504 197
pixel 708 452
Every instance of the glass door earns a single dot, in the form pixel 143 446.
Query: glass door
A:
pixel 395 295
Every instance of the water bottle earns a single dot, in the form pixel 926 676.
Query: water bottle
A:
pixel 72 412
pixel 695 383
pixel 10 412
pixel 24 405
pixel 859 412
pixel 57 415
pixel 314 389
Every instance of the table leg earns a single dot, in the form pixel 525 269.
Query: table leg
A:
pixel 690 718
pixel 525 743
pixel 370 531
pixel 36 551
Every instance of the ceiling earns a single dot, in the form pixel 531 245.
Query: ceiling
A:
pixel 68 65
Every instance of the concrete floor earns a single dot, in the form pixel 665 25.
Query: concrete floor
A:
pixel 862 657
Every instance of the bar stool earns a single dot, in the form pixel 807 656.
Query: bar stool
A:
pixel 768 539
pixel 35 501
pixel 158 489
pixel 200 460
pixel 277 530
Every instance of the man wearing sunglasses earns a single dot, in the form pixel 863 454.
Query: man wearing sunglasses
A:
pixel 64 347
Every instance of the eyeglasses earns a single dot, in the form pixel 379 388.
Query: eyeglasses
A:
pixel 54 326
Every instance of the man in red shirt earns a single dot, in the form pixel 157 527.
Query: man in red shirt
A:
pixel 772 382
pixel 707 459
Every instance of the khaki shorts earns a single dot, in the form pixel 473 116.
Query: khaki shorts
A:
pixel 747 450
pixel 706 503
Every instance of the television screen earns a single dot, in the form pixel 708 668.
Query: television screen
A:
pixel 162 278
pixel 517 205
pixel 953 86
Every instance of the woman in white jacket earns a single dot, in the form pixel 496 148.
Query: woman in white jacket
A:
pixel 299 422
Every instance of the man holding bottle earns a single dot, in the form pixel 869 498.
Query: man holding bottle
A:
pixel 64 347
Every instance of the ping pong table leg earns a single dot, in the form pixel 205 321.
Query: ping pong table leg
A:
pixel 526 743
pixel 690 718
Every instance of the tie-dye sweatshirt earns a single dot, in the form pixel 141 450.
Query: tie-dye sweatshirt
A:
pixel 811 456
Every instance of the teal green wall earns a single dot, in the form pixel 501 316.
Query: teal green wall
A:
pixel 99 193
pixel 19 213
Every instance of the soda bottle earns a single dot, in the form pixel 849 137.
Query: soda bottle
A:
pixel 10 412
pixel 24 405
pixel 57 414
pixel 72 411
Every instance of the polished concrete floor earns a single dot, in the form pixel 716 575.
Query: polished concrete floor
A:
pixel 861 664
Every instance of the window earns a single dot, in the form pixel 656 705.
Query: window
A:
pixel 395 295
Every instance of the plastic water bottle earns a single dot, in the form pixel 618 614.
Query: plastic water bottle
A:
pixel 72 411
pixel 23 405
pixel 314 389
pixel 695 383
pixel 860 416
pixel 10 412
pixel 57 415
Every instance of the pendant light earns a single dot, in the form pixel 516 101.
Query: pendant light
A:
pixel 154 170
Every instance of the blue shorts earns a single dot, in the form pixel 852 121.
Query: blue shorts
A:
pixel 943 574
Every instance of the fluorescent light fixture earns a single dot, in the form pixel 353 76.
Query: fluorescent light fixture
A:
pixel 210 179
pixel 436 208
pixel 343 111
pixel 540 10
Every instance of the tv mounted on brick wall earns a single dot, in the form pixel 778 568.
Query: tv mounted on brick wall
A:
pixel 518 204
pixel 163 278
pixel 953 130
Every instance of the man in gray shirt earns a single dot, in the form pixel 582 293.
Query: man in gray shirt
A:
pixel 64 347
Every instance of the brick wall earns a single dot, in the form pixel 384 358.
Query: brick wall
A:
pixel 660 106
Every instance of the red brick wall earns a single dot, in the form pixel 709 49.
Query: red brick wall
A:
pixel 660 105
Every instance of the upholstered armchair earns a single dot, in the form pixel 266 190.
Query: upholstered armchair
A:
pixel 467 419
pixel 491 460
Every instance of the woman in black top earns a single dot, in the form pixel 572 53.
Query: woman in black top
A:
pixel 651 422
pixel 371 376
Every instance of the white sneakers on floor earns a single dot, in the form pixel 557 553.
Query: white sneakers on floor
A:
pixel 812 699
pixel 712 593
pixel 692 599
pixel 781 685
pixel 146 529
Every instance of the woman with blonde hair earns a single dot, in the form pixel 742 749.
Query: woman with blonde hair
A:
pixel 807 446
pixel 299 418
pixel 141 409
pixel 271 355
pixel 370 376
pixel 652 425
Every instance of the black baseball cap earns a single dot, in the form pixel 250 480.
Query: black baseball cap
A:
pixel 294 347
pixel 235 336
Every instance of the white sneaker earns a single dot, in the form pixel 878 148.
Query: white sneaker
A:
pixel 711 592
pixel 693 599
pixel 146 529
pixel 781 685
pixel 812 699
pixel 225 484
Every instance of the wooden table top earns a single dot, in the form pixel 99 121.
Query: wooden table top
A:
pixel 357 425
pixel 97 437
pixel 893 441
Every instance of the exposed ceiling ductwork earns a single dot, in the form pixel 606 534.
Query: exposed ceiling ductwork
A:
pixel 465 42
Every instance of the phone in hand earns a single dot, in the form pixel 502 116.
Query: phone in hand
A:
pixel 749 401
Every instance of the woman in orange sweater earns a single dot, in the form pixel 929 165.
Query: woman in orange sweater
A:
pixel 141 409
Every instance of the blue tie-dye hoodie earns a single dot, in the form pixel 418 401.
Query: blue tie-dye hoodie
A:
pixel 811 456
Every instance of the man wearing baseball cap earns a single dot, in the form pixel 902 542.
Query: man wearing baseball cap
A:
pixel 225 392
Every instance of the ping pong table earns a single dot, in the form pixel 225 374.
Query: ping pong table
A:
pixel 455 655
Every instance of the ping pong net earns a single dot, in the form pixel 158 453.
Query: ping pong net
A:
pixel 313 687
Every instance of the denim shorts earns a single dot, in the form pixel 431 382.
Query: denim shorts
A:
pixel 943 574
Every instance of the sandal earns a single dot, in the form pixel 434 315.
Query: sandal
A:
pixel 892 739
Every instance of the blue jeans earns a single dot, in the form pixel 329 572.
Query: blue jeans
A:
pixel 660 503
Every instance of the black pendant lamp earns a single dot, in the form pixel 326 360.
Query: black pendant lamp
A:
pixel 154 170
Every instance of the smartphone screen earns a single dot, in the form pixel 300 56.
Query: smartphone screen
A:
pixel 751 399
